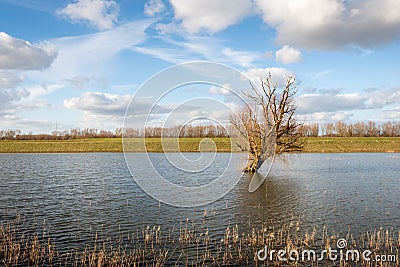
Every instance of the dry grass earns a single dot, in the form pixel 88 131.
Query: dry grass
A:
pixel 189 246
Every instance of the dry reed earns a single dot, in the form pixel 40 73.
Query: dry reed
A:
pixel 190 245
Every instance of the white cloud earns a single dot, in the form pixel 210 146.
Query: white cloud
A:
pixel 78 64
pixel 332 24
pixel 312 103
pixel 99 103
pixel 80 55
pixel 218 90
pixel 278 75
pixel 332 105
pixel 288 55
pixel 211 16
pixel 111 104
pixel 9 79
pixel 241 58
pixel 100 14
pixel 14 100
pixel 154 7
pixel 195 48
pixel 78 81
pixel 268 54
pixel 26 125
pixel 171 28
pixel 325 117
pixel 391 114
pixel 22 55
pixel 322 73
pixel 109 109
pixel 341 116
pixel 384 98
pixel 38 91
pixel 10 95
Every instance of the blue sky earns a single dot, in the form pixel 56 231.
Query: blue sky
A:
pixel 78 63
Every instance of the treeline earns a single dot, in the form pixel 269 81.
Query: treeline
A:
pixel 358 129
pixel 151 132
pixel 189 131
pixel 60 135
pixel 338 129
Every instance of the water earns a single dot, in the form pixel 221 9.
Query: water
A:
pixel 75 196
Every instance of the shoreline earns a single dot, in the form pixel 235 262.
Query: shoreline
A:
pixel 223 145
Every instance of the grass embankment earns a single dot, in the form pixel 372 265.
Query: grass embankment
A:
pixel 352 144
pixel 312 145
pixel 112 145
pixel 61 146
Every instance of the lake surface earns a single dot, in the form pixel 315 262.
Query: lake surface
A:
pixel 77 195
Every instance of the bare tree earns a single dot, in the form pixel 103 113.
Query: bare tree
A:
pixel 268 127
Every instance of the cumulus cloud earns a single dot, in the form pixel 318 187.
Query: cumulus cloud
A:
pixel 26 98
pixel 330 104
pixel 383 98
pixel 211 16
pixel 332 24
pixel 325 116
pixel 13 100
pixel 333 105
pixel 100 14
pixel 154 7
pixel 110 108
pixel 111 104
pixel 19 54
pixel 391 114
pixel 9 79
pixel 35 97
pixel 288 55
pixel 10 95
pixel 100 103
pixel 312 103
pixel 26 125
pixel 80 54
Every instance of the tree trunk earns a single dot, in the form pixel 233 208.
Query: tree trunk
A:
pixel 254 165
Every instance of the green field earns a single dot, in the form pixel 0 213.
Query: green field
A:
pixel 312 145
pixel 61 146
pixel 352 144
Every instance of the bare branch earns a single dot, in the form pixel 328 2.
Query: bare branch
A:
pixel 272 118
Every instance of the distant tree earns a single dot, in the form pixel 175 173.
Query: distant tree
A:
pixel 314 129
pixel 360 129
pixel 341 129
pixel 330 129
pixel 269 127
pixel 372 129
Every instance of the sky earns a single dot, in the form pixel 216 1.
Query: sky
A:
pixel 79 63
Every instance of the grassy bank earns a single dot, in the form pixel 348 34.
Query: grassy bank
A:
pixel 312 145
pixel 352 144
pixel 61 146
